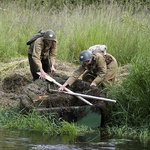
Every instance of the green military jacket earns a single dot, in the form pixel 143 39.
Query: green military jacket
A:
pixel 103 67
pixel 39 50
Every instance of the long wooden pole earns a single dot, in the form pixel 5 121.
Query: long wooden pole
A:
pixel 88 96
pixel 69 91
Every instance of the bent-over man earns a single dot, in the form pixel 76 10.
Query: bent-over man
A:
pixel 42 54
pixel 97 68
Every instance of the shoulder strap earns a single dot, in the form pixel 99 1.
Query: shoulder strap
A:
pixel 35 36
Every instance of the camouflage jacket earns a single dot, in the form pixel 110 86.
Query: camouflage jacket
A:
pixel 39 50
pixel 103 67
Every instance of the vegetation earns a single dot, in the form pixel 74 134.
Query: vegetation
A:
pixel 13 119
pixel 128 132
pixel 133 106
pixel 77 28
pixel 123 27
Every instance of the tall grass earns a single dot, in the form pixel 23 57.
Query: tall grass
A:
pixel 13 119
pixel 134 92
pixel 77 29
pixel 133 106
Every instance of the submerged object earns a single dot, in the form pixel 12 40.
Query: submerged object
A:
pixel 80 115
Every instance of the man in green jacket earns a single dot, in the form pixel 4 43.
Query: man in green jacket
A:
pixel 96 68
pixel 42 54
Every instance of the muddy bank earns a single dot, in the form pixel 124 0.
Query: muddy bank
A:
pixel 15 76
pixel 18 90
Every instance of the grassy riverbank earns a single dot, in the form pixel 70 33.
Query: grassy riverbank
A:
pixel 124 29
pixel 14 119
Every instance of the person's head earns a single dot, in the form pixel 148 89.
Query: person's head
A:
pixel 49 36
pixel 85 57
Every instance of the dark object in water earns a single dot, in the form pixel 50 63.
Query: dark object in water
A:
pixel 37 97
pixel 80 115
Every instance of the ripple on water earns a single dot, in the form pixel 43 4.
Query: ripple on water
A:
pixel 60 147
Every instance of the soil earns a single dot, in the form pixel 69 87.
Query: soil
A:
pixel 15 76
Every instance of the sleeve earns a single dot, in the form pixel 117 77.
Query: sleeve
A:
pixel 53 54
pixel 76 74
pixel 36 55
pixel 102 69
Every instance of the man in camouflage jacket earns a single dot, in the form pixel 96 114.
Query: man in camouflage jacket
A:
pixel 41 55
pixel 96 68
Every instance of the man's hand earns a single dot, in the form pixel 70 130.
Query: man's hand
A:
pixel 52 69
pixel 42 74
pixel 93 84
pixel 62 87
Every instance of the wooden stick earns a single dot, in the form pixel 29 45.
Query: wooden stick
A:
pixel 40 98
pixel 87 96
pixel 69 91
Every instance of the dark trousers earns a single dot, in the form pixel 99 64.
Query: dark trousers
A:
pixel 34 68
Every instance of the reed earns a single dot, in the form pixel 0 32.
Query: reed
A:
pixel 128 132
pixel 13 119
pixel 133 94
pixel 133 105
pixel 77 28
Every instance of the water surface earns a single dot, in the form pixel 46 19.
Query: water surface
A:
pixel 16 140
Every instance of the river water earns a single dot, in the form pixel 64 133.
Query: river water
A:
pixel 16 140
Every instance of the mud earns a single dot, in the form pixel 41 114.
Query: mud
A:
pixel 14 83
pixel 15 76
pixel 44 94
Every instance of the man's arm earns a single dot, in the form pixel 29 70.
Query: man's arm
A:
pixel 76 74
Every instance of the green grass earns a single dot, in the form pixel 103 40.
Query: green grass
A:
pixel 133 94
pixel 13 119
pixel 124 131
pixel 133 105
pixel 77 28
